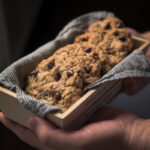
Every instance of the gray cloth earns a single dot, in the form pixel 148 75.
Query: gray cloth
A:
pixel 14 77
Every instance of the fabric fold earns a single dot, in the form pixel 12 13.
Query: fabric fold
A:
pixel 14 77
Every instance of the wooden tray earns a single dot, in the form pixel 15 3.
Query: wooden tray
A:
pixel 78 113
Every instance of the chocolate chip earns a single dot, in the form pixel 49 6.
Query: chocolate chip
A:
pixel 101 19
pixel 95 56
pixel 79 73
pixel 88 68
pixel 70 73
pixel 36 79
pixel 109 51
pixel 97 25
pixel 122 49
pixel 122 38
pixel 34 73
pixel 119 25
pixel 129 34
pixel 84 39
pixel 57 96
pixel 103 32
pixel 57 76
pixel 51 64
pixel 102 72
pixel 45 93
pixel 116 33
pixel 87 50
pixel 108 26
pixel 85 84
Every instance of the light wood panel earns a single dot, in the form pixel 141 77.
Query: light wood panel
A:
pixel 78 113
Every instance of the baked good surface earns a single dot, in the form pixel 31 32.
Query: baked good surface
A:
pixel 106 25
pixel 112 40
pixel 60 79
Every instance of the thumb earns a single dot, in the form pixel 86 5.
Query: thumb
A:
pixel 35 122
pixel 42 128
pixel 132 86
pixel 146 35
pixel 47 133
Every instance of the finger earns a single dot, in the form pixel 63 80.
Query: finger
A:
pixel 105 121
pixel 23 133
pixel 134 32
pixel 108 113
pixel 133 85
pixel 146 35
pixel 105 113
pixel 49 135
pixel 148 54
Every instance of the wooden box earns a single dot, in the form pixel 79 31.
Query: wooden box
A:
pixel 78 113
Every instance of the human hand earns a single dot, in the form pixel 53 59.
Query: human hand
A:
pixel 22 133
pixel 133 85
pixel 109 129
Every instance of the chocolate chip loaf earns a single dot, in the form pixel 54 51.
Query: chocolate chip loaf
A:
pixel 111 38
pixel 60 79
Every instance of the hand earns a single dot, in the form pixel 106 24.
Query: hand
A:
pixel 23 133
pixel 109 129
pixel 133 85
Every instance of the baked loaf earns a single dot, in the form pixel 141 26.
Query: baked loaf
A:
pixel 112 40
pixel 60 79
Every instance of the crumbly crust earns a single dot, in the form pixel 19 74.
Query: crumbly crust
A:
pixel 60 79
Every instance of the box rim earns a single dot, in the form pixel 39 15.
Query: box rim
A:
pixel 143 46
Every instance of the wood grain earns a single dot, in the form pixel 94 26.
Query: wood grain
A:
pixel 78 113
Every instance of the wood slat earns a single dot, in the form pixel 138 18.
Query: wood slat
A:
pixel 84 107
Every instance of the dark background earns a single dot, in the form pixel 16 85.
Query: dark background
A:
pixel 55 14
